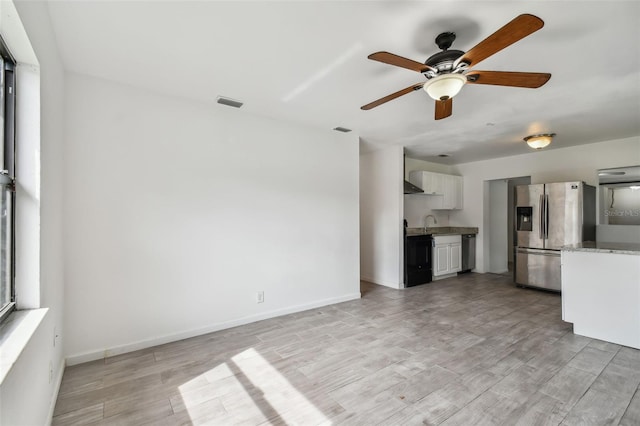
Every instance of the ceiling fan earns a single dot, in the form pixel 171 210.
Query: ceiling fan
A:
pixel 448 71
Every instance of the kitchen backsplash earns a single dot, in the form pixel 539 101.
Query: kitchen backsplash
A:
pixel 417 207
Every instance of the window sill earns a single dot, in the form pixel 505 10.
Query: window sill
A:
pixel 15 334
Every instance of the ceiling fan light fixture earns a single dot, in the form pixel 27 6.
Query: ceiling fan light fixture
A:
pixel 539 141
pixel 445 86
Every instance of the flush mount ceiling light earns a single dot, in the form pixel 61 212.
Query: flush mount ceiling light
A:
pixel 539 141
pixel 445 86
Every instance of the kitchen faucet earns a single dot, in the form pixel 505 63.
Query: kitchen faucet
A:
pixel 426 221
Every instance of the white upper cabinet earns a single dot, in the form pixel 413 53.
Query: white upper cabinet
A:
pixel 448 188
pixel 431 183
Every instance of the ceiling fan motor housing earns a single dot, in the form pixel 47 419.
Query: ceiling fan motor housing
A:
pixel 443 61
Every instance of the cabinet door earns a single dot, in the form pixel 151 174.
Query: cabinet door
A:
pixel 450 187
pixel 438 183
pixel 441 259
pixel 432 183
pixel 449 194
pixel 455 256
pixel 428 180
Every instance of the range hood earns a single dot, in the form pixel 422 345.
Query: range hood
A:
pixel 410 188
pixel 623 176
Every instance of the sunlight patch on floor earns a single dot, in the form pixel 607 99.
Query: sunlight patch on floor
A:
pixel 276 391
pixel 245 386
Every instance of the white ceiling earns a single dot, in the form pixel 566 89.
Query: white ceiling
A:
pixel 306 62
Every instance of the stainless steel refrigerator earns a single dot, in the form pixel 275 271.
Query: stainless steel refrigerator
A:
pixel 548 217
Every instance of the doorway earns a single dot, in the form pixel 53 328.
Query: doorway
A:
pixel 501 212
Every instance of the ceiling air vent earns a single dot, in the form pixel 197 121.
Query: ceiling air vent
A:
pixel 341 129
pixel 229 102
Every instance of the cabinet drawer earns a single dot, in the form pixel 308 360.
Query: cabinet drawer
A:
pixel 447 239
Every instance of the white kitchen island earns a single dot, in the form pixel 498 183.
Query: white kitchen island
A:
pixel 601 291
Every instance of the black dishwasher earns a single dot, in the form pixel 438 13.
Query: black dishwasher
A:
pixel 417 255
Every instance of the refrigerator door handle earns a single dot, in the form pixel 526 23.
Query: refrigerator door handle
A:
pixel 546 216
pixel 541 221
pixel 542 252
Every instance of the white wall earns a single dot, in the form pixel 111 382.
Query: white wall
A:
pixel 381 212
pixel 27 397
pixel 28 393
pixel 498 235
pixel 418 206
pixel 178 213
pixel 556 165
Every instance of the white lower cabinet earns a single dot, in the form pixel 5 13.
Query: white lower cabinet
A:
pixel 455 256
pixel 447 255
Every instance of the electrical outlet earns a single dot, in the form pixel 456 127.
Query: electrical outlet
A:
pixel 260 297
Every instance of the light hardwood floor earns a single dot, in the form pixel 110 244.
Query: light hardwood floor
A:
pixel 470 350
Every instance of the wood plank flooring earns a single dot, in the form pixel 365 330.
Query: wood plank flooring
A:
pixel 470 350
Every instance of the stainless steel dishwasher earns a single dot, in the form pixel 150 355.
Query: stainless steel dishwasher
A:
pixel 468 252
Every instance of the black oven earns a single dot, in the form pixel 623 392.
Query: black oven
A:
pixel 417 255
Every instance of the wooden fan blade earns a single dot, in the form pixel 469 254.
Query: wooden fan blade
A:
pixel 516 30
pixel 532 80
pixel 444 108
pixel 392 96
pixel 399 61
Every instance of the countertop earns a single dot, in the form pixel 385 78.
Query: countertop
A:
pixel 604 247
pixel 442 230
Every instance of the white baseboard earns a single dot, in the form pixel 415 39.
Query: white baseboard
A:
pixel 381 282
pixel 143 344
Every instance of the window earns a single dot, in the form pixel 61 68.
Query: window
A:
pixel 7 180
